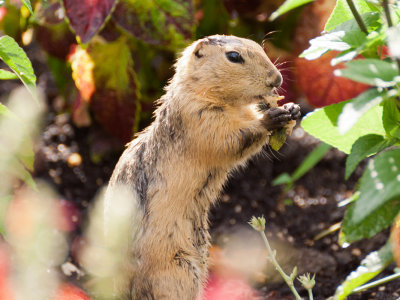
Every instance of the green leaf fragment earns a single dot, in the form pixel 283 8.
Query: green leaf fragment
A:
pixel 284 178
pixel 356 107
pixel 311 160
pixel 365 146
pixel 371 71
pixel 369 267
pixel 345 37
pixel 342 13
pixel 277 139
pixel 28 5
pixel 379 199
pixel 5 112
pixel 16 59
pixel 5 75
pixel 371 225
pixel 324 43
pixel 391 117
pixel 287 6
pixel 322 124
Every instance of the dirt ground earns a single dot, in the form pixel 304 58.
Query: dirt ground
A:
pixel 293 220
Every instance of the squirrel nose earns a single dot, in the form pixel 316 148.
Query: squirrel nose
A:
pixel 276 81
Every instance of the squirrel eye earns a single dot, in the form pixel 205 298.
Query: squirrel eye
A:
pixel 234 57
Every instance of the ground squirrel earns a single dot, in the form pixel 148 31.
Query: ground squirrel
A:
pixel 217 112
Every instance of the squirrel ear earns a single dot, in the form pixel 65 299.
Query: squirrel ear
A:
pixel 198 48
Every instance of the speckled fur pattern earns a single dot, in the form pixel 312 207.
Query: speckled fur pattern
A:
pixel 207 124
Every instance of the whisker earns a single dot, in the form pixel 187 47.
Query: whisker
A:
pixel 276 60
pixel 272 152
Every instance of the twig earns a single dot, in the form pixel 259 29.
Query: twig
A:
pixel 271 255
pixel 385 5
pixel 357 16
pixel 258 224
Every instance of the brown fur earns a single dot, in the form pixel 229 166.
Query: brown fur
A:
pixel 207 125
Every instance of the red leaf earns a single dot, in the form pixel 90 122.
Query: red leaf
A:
pixel 108 85
pixel 116 113
pixel 167 22
pixel 52 30
pixel 321 87
pixel 87 16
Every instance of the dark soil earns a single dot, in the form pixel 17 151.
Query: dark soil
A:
pixel 295 219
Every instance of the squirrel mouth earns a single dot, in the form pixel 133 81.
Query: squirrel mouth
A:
pixel 275 95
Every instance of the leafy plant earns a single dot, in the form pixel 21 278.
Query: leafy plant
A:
pixel 308 282
pixel 16 126
pixel 18 62
pixel 111 35
pixel 367 124
pixel 308 163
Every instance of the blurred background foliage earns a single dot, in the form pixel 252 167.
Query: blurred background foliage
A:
pixel 110 60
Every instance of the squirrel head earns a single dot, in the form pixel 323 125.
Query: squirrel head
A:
pixel 227 68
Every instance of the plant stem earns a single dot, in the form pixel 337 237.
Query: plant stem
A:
pixel 357 16
pixel 310 295
pixel 376 282
pixel 385 5
pixel 287 279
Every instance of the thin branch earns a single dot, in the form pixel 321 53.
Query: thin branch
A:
pixel 271 255
pixel 385 5
pixel 357 16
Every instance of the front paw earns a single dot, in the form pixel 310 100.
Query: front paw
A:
pixel 294 110
pixel 276 118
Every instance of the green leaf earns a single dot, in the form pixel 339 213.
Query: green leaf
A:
pixel 5 75
pixel 5 112
pixel 28 5
pixel 287 6
pixel 322 123
pixel 391 117
pixel 370 266
pixel 371 71
pixel 277 139
pixel 365 146
pixel 324 43
pixel 379 199
pixel 342 13
pixel 356 107
pixel 17 60
pixel 284 178
pixel 311 160
pixel 345 37
pixel 380 219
